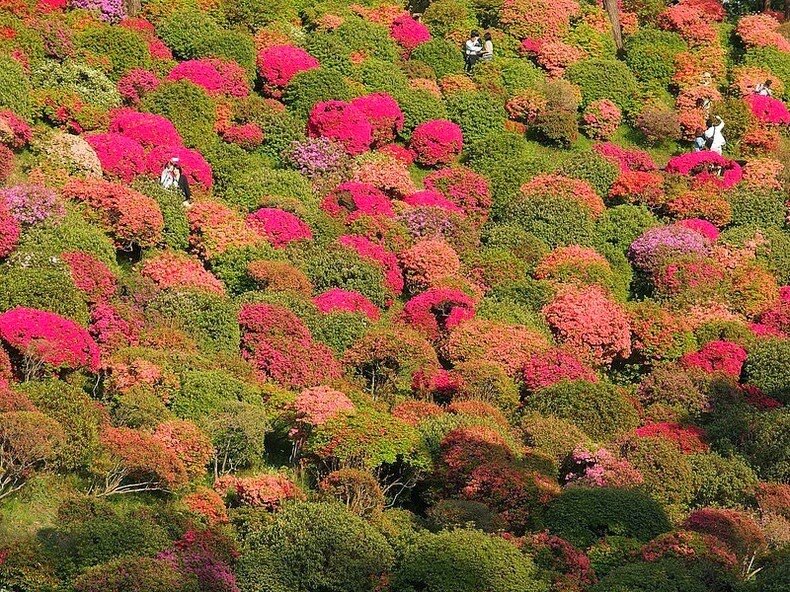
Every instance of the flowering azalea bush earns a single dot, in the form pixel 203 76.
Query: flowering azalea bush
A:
pixel 543 369
pixel 768 109
pixel 120 156
pixel 438 310
pixel 148 129
pixel 346 300
pixel 717 356
pixel 175 270
pixel 342 122
pixel 136 84
pixel 353 199
pixel 278 226
pixel 384 115
pixel 217 77
pixel 436 142
pixel 409 33
pixel 29 204
pixel 91 276
pixel 9 230
pixel 601 119
pixel 689 439
pixel 698 164
pixel 278 64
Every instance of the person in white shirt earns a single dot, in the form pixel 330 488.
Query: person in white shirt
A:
pixel 764 89
pixel 714 137
pixel 488 48
pixel 168 178
pixel 472 50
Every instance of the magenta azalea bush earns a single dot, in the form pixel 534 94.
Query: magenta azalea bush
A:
pixel 217 77
pixel 121 157
pixel 277 65
pixel 342 122
pixel 436 142
pixel 278 226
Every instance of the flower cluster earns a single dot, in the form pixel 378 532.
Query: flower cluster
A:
pixel 217 77
pixel 384 115
pixel 689 439
pixel 600 468
pixel 761 30
pixel 316 406
pixel 601 119
pixel 111 11
pixel 703 227
pixel 121 157
pixel 567 188
pixel 556 56
pixel 247 135
pixel 763 173
pixel 627 160
pixel 148 129
pixel 348 301
pixel 91 276
pixel 177 270
pixel 436 142
pixel 352 199
pixel 9 230
pixel 438 310
pixel 428 263
pixel 315 157
pixel 543 369
pixel 660 244
pixel 342 122
pixel 465 188
pixel 29 204
pixel 278 226
pixel 717 356
pixel 136 84
pixel 215 228
pixel 384 172
pixel 267 491
pixel 278 64
pixel 14 131
pixel 700 164
pixel 374 252
pixel 768 109
pixel 409 33
pixel 639 187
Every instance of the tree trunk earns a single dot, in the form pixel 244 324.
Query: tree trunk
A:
pixel 614 18
pixel 133 7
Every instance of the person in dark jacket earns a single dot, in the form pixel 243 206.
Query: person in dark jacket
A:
pixel 183 184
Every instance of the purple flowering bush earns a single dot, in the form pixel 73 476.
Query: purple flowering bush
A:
pixel 29 204
pixel 657 245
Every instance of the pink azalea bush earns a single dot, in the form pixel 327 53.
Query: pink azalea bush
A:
pixel 351 200
pixel 91 276
pixel 29 204
pixel 343 122
pixel 600 468
pixel 9 230
pixel 761 30
pixel 49 338
pixel 409 33
pixel 465 188
pixel 14 131
pixel 768 109
pixel 589 319
pixel 177 270
pixel 247 135
pixel 436 142
pixel 121 157
pixel 336 299
pixel 701 226
pixel 149 129
pixel 543 369
pixel 217 77
pixel 690 439
pixel 315 406
pixel 627 160
pixel 278 226
pixel 375 253
pixel 384 115
pixel 192 163
pixel 657 245
pixel 278 64
pixel 697 165
pixel 601 119
pixel 717 356
pixel 135 84
pixel 434 199
pixel 438 310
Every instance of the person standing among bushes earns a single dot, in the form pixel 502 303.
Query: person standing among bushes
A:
pixel 168 177
pixel 699 140
pixel 713 135
pixel 764 89
pixel 472 50
pixel 183 185
pixel 488 48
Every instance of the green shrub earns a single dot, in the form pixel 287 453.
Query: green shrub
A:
pixel 591 167
pixel 88 83
pixel 418 106
pixel 248 187
pixel 358 35
pixel 669 574
pixel 478 114
pixel 204 392
pixel 176 230
pixel 757 207
pixel 518 74
pixel 774 575
pixel 189 108
pixel 552 436
pixel 323 46
pixel 233 45
pixel 767 368
pixel 597 44
pixel 621 225
pixel 186 32
pixel 124 48
pixel 606 79
pixel 44 285
pixel 452 514
pixel 380 76
pixel 465 561
pixel 443 17
pixel 527 247
pixel 256 14
pixel 772 59
pixel 280 128
pixel 314 547
pixel 441 55
pixel 554 220
pixel 651 53
pixel 559 127
pixel 230 266
pixel 736 113
pixel 80 416
pixel 340 330
pixel 14 87
pixel 584 516
pixel 724 481
pixel 210 319
pixel 314 86
pixel 134 573
pixel 600 409
pixel 337 267
pixel 773 247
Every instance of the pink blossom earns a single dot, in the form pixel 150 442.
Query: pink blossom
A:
pixel 278 226
pixel 277 65
pixel 346 300
pixel 437 310
pixel 717 356
pixel 352 200
pixel 431 198
pixel 384 115
pixel 704 227
pixel 437 141
pixel 409 33
pixel 343 122
pixel 192 163
pixel 136 83
pixel 217 77
pixel 697 164
pixel 9 230
pixel 543 369
pixel 120 156
pixel 148 129
pixel 768 109
pixel 374 252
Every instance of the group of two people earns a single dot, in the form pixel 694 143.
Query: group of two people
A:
pixel 475 49
pixel 173 178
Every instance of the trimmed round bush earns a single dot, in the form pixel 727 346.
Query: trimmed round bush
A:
pixel 606 79
pixel 478 114
pixel 314 86
pixel 418 106
pixel 187 106
pixel 583 516
pixel 465 561
pixel 669 574
pixel 44 286
pixel 752 206
pixel 622 225
pixel 124 48
pixel 650 53
pixel 556 221
pixel 90 84
pixel 342 268
pixel 133 573
pixel 14 87
pixel 206 392
pixel 186 31
pixel 591 167
pixel 441 55
pixel 767 368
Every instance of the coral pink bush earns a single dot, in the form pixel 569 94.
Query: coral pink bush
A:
pixel 398 152
pixel 135 84
pixel 247 135
pixel 601 119
pixel 768 109
pixel 639 187
pixel 438 310
pixel 384 115
pixel 556 56
pixel 214 228
pixel 543 369
pixel 374 252
pixel 111 330
pixel 436 142
pixel 697 165
pixel 778 316
pixel 434 199
pixel 6 163
pixel 386 173
pixel 429 262
pixel 178 270
pixel 120 156
pixel 689 22
pixel 627 160
pixel 316 406
pixel 537 19
pixel 217 77
pixel 717 356
pixel 133 218
pixel 148 129
pixel 764 173
pixel 190 445
pixel 761 30
pixel 343 122
pixel 465 188
pixel 14 131
pixel 9 230
pixel 690 439
pixel 49 338
pixel 409 33
pixel 563 187
pixel 91 276
pixel 352 199
pixel 348 301
pixel 268 491
pixel 278 64
pixel 278 226
pixel 192 164
pixel 588 319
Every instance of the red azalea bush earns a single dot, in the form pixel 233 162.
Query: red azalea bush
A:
pixel 342 122
pixel 436 142
pixel 698 164
pixel 690 439
pixel 6 163
pixel 563 187
pixel 409 33
pixel 433 199
pixel 268 491
pixel 764 173
pixel 689 22
pixel 703 227
pixel 639 187
pixel 539 19
pixel 133 218
pixel 429 262
pixel 438 310
pixel 374 252
pixel 208 504
pixel 9 230
pixel 111 330
pixel 587 318
pixel 278 226
pixel 465 188
pixel 247 135
pixel 777 316
pixel 384 115
pixel 281 347
pixel 278 64
pixel 185 440
pixel 601 119
pixel 627 160
pixel 574 265
pixel 217 77
pixel 171 269
pixel 760 140
pixel 49 338
pixel 149 129
pixel 705 201
pixel 315 406
pixel 386 173
pixel 136 84
pixel 14 131
pixel 120 156
pixel 352 199
pixel 556 56
pixel 543 369
pixel 348 301
pixel 768 109
pixel 717 356
pixel 734 528
pixel 192 164
pixel 91 276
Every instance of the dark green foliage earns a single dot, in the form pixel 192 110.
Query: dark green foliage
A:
pixel 757 207
pixel 233 45
pixel 450 514
pixel 314 547
pixel 381 76
pixel 339 330
pixel 600 409
pixel 606 79
pixel 341 268
pixel 308 88
pixel 650 53
pixel 666 575
pixel 668 476
pixel 465 561
pixel 124 48
pixel 186 32
pixel 585 515
pixel 189 108
pixel 46 286
pixel 441 55
pixel 554 220
pixel 591 167
pixel 418 106
pixel 768 368
pixel 204 392
pixel 478 114
pixel 14 87
pixel 256 14
pixel 88 83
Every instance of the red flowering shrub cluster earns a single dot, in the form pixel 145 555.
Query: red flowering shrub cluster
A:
pixel 428 263
pixel 136 84
pixel 409 33
pixel 549 367
pixel 342 122
pixel 690 439
pixel 185 440
pixel 438 310
pixel 278 64
pixel 278 226
pixel 248 135
pixel 348 301
pixel 768 109
pixel 215 228
pixel 14 131
pixel 436 142
pixel 383 114
pixel 601 119
pixel 563 187
pixel 761 30
pixel 699 165
pixel 148 129
pixel 91 276
pixel 121 157
pixel 217 77
pixel 267 491
pixel 9 230
pixel 352 199
pixel 374 252
pixel 176 270
pixel 717 356
pixel 465 188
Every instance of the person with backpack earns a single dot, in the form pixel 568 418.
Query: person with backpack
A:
pixel 713 135
pixel 472 50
